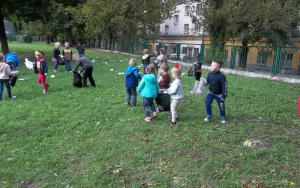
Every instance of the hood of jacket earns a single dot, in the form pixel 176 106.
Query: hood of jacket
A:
pixel 150 78
pixel 129 70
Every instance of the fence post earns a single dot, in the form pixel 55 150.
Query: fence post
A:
pixel 202 51
pixel 113 45
pixel 132 46
pixel 99 41
pixel 232 58
pixel 178 52
pixel 159 46
pixel 105 44
pixel 277 60
pixel 122 46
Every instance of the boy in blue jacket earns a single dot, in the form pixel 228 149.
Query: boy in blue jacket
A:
pixel 217 90
pixel 132 76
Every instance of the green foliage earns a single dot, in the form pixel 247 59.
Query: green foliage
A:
pixel 73 137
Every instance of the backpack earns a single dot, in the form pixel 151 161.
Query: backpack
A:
pixel 77 80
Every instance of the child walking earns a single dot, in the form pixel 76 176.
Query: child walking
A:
pixel 56 56
pixel 164 79
pixel 146 59
pixel 42 70
pixel 217 90
pixel 67 53
pixel 176 92
pixel 132 76
pixel 162 58
pixel 5 72
pixel 149 89
pixel 198 67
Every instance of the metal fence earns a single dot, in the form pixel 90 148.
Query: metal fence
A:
pixel 269 59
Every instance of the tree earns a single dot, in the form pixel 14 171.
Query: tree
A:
pixel 128 19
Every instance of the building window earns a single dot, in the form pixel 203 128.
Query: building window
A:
pixel 199 8
pixel 184 50
pixel 166 29
pixel 262 57
pixel 176 19
pixel 186 28
pixel 196 52
pixel 197 28
pixel 187 10
pixel 286 60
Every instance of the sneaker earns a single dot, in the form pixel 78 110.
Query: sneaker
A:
pixel 223 120
pixel 70 71
pixel 147 119
pixel 54 70
pixel 128 104
pixel 208 118
pixel 153 115
pixel 13 97
pixel 44 91
pixel 172 123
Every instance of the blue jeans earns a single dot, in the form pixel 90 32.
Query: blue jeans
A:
pixel 6 82
pixel 68 65
pixel 148 102
pixel 131 91
pixel 208 101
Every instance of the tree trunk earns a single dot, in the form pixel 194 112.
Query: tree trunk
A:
pixel 3 38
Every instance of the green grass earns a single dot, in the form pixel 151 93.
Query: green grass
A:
pixel 74 137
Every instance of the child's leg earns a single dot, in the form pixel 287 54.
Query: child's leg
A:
pixel 39 78
pixel 6 82
pixel 128 91
pixel 70 65
pixel 145 66
pixel 209 99
pixel 134 94
pixel 152 105
pixel 43 81
pixel 174 105
pixel 221 105
pixel 146 103
pixel 1 90
pixel 67 65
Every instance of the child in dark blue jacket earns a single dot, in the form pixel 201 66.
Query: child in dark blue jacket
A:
pixel 132 76
pixel 217 90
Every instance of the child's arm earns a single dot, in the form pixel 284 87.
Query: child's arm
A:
pixel 141 86
pixel 45 67
pixel 224 88
pixel 137 74
pixel 173 89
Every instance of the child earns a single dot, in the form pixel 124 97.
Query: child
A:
pixel 56 56
pixel 176 92
pixel 217 90
pixel 146 59
pixel 67 53
pixel 42 70
pixel 87 69
pixel 80 49
pixel 149 89
pixel 12 60
pixel 160 59
pixel 132 76
pixel 5 72
pixel 164 78
pixel 198 67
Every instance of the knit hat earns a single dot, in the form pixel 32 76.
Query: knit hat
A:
pixel 78 42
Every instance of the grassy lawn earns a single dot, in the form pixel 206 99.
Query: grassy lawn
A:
pixel 76 138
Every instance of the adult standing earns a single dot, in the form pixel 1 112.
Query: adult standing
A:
pixel 87 69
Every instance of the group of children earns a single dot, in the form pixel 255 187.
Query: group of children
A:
pixel 150 86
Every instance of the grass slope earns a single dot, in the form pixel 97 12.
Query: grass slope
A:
pixel 74 137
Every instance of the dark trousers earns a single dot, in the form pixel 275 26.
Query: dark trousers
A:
pixel 131 91
pixel 197 76
pixel 88 73
pixel 6 83
pixel 148 102
pixel 208 101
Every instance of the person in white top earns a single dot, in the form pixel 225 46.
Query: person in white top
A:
pixel 5 72
pixel 175 92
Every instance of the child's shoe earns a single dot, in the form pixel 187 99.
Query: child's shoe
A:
pixel 153 115
pixel 208 118
pixel 128 104
pixel 147 119
pixel 172 123
pixel 223 120
pixel 44 91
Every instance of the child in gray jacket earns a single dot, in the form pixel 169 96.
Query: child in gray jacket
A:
pixel 175 92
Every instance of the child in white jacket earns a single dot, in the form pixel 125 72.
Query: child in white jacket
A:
pixel 175 92
pixel 5 73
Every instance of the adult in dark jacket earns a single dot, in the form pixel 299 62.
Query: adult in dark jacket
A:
pixel 87 69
